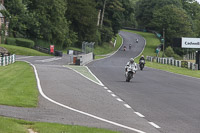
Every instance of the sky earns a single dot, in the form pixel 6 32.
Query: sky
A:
pixel 198 1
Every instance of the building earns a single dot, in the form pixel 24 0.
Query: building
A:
pixel 3 22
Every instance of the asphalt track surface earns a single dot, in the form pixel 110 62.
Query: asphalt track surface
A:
pixel 69 98
pixel 169 100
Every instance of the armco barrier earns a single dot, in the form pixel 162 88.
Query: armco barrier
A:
pixel 171 61
pixel 6 60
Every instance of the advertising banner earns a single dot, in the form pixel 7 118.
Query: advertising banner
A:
pixel 190 42
pixel 51 48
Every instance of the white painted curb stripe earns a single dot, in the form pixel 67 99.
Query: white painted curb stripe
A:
pixel 78 111
pixel 139 114
pixel 153 124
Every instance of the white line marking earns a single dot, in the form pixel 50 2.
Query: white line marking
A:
pixel 94 76
pixel 109 91
pixel 113 95
pixel 84 76
pixel 118 99
pixel 49 60
pixel 153 124
pixel 126 105
pixel 24 57
pixel 105 88
pixel 139 114
pixel 78 111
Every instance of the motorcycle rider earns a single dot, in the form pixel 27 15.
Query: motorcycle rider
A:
pixel 142 58
pixel 142 62
pixel 131 63
pixel 129 46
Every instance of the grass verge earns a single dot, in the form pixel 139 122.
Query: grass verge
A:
pixel 151 43
pixel 9 125
pixel 18 85
pixel 107 48
pixel 22 50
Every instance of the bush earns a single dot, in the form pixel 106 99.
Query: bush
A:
pixel 11 41
pixel 25 42
pixel 169 52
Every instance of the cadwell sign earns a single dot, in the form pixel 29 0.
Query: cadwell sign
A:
pixel 190 42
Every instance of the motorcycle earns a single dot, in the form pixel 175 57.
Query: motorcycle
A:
pixel 130 73
pixel 142 62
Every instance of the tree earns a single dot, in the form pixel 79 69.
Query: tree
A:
pixel 53 25
pixel 18 15
pixel 174 20
pixel 145 9
pixel 83 17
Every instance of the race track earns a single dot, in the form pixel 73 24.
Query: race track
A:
pixel 170 101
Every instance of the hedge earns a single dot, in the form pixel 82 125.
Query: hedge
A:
pixel 11 41
pixel 25 43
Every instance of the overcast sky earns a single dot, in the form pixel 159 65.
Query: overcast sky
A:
pixel 198 1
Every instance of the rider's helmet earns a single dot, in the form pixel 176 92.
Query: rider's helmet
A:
pixel 142 56
pixel 131 60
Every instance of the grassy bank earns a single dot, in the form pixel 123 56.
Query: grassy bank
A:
pixel 102 51
pixel 18 85
pixel 8 125
pixel 151 43
pixel 22 50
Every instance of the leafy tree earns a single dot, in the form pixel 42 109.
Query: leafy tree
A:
pixel 83 17
pixel 52 24
pixel 145 9
pixel 18 15
pixel 174 20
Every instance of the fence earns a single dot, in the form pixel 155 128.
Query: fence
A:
pixel 88 47
pixel 173 62
pixel 6 60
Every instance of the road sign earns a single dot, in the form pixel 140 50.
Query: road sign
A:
pixel 190 42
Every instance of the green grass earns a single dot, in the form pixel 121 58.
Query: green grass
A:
pixel 22 50
pixel 18 85
pixel 9 125
pixel 174 69
pixel 107 48
pixel 151 43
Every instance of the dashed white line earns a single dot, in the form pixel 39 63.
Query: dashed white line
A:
pixel 105 88
pixel 126 105
pixel 139 114
pixel 118 99
pixel 113 95
pixel 109 91
pixel 153 124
